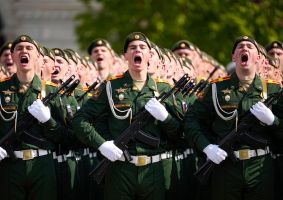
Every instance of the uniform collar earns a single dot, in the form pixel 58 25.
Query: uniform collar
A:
pixel 35 83
pixel 150 83
pixel 256 84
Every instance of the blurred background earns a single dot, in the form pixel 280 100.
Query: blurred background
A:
pixel 212 25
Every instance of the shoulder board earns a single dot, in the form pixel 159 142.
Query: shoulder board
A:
pixel 5 79
pixel 220 79
pixel 159 80
pixel 85 88
pixel 199 78
pixel 271 81
pixel 51 83
pixel 115 77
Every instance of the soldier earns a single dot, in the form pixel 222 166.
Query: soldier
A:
pixel 48 66
pixel 129 93
pixel 184 48
pixel 6 59
pixel 31 175
pixel 226 101
pixel 102 53
pixel 275 49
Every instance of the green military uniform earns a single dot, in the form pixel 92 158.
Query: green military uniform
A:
pixel 32 174
pixel 250 177
pixel 79 91
pixel 277 147
pixel 70 183
pixel 125 180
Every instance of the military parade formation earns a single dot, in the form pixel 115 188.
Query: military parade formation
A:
pixel 151 123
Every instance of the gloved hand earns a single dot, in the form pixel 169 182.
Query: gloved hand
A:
pixel 3 153
pixel 110 151
pixel 214 153
pixel 156 109
pixel 39 111
pixel 262 113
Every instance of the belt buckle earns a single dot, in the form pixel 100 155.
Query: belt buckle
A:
pixel 141 160
pixel 244 154
pixel 27 154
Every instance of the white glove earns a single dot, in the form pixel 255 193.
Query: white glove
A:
pixel 262 113
pixel 39 111
pixel 214 153
pixel 110 151
pixel 156 109
pixel 3 153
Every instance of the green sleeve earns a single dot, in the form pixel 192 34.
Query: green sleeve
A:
pixel 197 118
pixel 86 116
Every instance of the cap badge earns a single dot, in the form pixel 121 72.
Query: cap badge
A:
pixel 245 37
pixel 99 42
pixel 9 45
pixel 182 45
pixel 275 45
pixel 137 37
pixel 23 38
pixel 56 51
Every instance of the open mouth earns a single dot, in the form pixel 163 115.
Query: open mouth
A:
pixel 55 72
pixel 137 60
pixel 244 57
pixel 9 64
pixel 99 59
pixel 24 59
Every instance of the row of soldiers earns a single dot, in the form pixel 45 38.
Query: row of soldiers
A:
pixel 55 155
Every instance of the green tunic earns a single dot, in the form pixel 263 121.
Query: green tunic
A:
pixel 25 179
pixel 245 179
pixel 125 180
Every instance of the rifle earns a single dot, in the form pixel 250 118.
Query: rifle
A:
pixel 203 173
pixel 71 88
pixel 203 83
pixel 88 90
pixel 133 133
pixel 26 121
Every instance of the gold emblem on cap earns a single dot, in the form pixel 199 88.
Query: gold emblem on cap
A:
pixel 99 42
pixel 182 45
pixel 56 51
pixel 23 38
pixel 275 44
pixel 9 45
pixel 137 37
pixel 245 37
